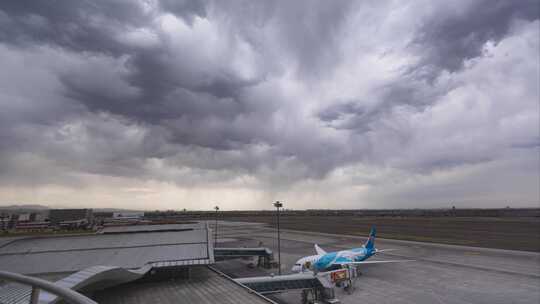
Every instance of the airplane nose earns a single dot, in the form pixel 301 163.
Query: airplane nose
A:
pixel 295 269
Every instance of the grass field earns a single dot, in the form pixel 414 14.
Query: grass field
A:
pixel 503 233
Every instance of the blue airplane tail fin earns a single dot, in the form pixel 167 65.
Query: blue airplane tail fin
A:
pixel 370 243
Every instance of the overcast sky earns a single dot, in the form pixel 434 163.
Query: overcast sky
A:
pixel 320 104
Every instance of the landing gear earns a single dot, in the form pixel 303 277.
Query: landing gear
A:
pixel 349 286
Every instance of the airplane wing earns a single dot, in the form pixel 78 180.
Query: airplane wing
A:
pixel 371 262
pixel 319 250
pixel 384 250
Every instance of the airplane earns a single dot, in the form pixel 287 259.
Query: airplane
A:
pixel 328 261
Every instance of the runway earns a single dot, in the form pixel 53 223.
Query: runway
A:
pixel 439 274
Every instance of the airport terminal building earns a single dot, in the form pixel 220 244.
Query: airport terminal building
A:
pixel 130 264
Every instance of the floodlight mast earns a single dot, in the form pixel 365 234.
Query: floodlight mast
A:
pixel 278 205
pixel 216 226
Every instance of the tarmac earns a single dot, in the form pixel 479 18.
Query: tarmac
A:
pixel 439 274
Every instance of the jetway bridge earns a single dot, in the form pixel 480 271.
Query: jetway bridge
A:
pixel 316 288
pixel 265 256
pixel 272 284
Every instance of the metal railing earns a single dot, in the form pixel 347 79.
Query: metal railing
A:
pixel 68 295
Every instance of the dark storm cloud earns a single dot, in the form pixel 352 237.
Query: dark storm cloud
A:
pixel 312 30
pixel 76 25
pixel 456 34
pixel 306 31
pixel 95 27
pixel 359 115
pixel 187 9
pixel 161 90
pixel 83 26
pixel 213 89
pixel 445 41
pixel 190 106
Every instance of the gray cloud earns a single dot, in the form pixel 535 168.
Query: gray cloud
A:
pixel 207 92
pixel 79 26
pixel 186 9
pixel 457 33
pixel 446 40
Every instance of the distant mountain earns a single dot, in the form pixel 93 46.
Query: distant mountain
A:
pixel 24 207
pixel 114 210
pixel 36 207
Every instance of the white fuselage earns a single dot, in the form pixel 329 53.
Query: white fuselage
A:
pixel 304 263
pixel 308 263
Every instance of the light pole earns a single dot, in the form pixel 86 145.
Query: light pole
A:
pixel 215 228
pixel 278 205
